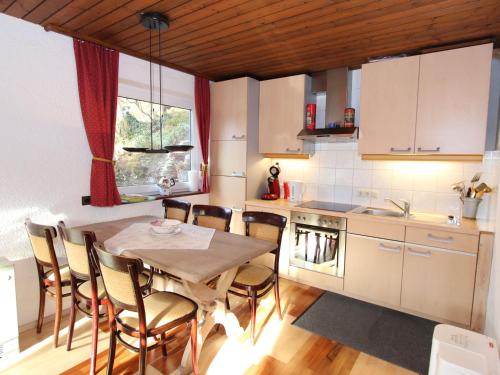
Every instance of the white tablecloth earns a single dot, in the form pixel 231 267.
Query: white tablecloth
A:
pixel 139 237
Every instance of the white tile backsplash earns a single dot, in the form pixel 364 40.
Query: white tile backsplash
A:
pixel 336 173
pixel 343 176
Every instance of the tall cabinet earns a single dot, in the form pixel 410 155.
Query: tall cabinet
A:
pixel 237 170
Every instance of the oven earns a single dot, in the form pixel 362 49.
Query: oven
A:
pixel 317 242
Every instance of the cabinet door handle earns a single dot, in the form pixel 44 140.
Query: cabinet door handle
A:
pixel 432 237
pixel 236 209
pixel 394 149
pixel 293 150
pixel 389 249
pixel 437 149
pixel 239 137
pixel 238 174
pixel 425 254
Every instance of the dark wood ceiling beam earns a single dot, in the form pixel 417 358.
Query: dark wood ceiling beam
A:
pixel 20 8
pixel 133 7
pixel 129 25
pixel 353 58
pixel 103 8
pixel 398 45
pixel 325 28
pixel 73 34
pixel 71 10
pixel 251 18
pixel 300 17
pixel 296 49
pixel 197 20
pixel 45 10
pixel 5 4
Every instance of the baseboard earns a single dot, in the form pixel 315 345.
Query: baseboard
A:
pixel 48 318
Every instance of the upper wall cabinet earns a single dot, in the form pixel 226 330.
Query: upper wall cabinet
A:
pixel 228 117
pixel 388 106
pixel 282 114
pixel 453 96
pixel 433 104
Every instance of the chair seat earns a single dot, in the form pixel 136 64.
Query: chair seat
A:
pixel 63 271
pixel 253 274
pixel 86 291
pixel 161 308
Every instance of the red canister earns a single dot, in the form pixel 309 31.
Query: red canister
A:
pixel 349 117
pixel 311 116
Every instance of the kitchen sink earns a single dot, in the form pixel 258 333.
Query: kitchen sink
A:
pixel 380 212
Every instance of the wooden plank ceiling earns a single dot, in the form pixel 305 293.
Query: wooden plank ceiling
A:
pixel 221 39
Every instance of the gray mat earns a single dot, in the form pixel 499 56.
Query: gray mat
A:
pixel 396 337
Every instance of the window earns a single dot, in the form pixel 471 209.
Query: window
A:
pixel 133 130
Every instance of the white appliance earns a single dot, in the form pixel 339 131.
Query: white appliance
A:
pixel 457 351
pixel 9 343
pixel 296 191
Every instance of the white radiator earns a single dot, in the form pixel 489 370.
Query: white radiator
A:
pixel 9 332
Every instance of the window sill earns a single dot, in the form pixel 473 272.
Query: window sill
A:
pixel 150 198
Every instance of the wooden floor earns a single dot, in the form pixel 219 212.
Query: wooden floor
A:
pixel 281 348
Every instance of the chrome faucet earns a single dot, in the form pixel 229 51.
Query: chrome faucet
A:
pixel 405 208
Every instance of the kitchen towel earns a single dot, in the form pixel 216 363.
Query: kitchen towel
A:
pixel 139 237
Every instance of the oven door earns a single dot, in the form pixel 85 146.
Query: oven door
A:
pixel 318 249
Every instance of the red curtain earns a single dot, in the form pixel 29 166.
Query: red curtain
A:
pixel 97 69
pixel 202 104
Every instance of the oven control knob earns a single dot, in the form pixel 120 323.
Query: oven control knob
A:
pixel 330 222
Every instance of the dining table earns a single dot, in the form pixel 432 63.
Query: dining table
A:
pixel 195 267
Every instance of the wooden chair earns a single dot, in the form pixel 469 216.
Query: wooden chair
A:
pixel 215 217
pixel 176 209
pixel 254 281
pixel 159 316
pixel 53 278
pixel 87 288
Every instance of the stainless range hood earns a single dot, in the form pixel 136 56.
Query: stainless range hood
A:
pixel 329 135
pixel 335 83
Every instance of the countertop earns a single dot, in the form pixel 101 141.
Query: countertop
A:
pixel 418 219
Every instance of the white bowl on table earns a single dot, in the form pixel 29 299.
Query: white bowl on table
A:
pixel 165 226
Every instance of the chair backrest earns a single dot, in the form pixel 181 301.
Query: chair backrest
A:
pixel 79 251
pixel 121 279
pixel 215 217
pixel 176 209
pixel 42 242
pixel 266 226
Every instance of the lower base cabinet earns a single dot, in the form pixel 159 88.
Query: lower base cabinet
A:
pixel 438 282
pixel 373 268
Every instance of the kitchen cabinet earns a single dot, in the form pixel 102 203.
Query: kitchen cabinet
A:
pixel 282 105
pixel 236 168
pixel 229 158
pixel 228 114
pixel 268 259
pixel 438 282
pixel 432 104
pixel 373 269
pixel 453 96
pixel 229 192
pixel 389 92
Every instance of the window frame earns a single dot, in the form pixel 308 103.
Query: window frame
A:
pixel 195 157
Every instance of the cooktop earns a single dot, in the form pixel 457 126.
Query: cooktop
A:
pixel 328 206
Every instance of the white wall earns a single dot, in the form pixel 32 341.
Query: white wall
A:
pixel 44 155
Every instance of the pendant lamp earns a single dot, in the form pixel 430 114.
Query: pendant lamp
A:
pixel 154 21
